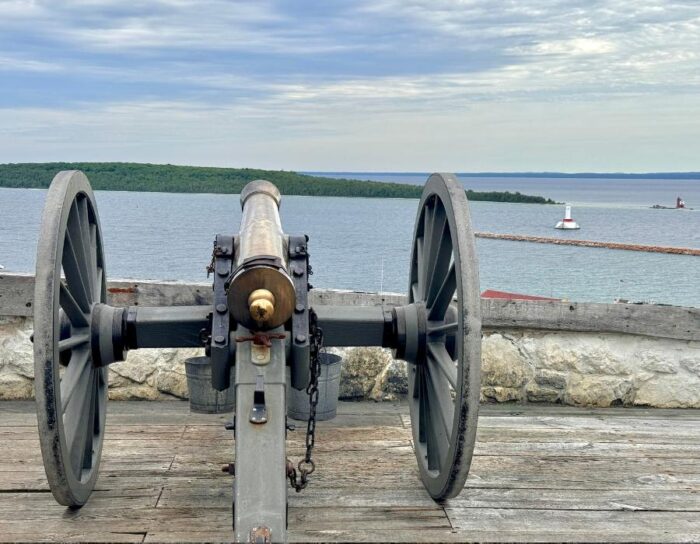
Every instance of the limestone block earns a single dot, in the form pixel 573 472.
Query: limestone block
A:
pixel 501 363
pixel 139 364
pixel 602 391
pixel 546 386
pixel 535 392
pixel 360 369
pixel 491 393
pixel 582 353
pixel 691 364
pixel 669 391
pixel 134 391
pixel 115 380
pixel 391 383
pixel 550 378
pixel 657 362
pixel 16 349
pixel 172 383
pixel 15 387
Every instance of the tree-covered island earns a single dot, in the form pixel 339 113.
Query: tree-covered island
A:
pixel 167 178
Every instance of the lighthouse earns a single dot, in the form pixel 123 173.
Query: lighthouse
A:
pixel 567 223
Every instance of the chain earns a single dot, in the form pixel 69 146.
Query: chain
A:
pixel 307 466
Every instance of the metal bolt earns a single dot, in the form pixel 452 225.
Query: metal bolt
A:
pixel 299 308
pixel 300 338
pixel 219 339
pixel 221 308
pixel 298 272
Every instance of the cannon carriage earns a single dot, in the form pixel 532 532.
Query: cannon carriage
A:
pixel 262 331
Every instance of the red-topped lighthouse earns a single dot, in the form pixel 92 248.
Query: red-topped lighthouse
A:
pixel 567 223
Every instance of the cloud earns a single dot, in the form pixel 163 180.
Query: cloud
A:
pixel 148 68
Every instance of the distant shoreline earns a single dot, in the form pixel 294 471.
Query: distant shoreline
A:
pixel 168 178
pixel 693 176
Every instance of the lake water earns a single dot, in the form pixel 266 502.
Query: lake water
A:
pixel 364 244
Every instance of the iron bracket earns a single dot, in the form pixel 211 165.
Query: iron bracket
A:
pixel 300 345
pixel 221 349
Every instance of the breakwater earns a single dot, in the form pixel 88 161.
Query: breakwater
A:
pixel 582 354
pixel 589 243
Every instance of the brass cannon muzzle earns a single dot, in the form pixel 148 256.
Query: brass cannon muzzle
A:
pixel 261 294
pixel 261 304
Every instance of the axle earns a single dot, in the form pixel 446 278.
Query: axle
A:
pixel 114 331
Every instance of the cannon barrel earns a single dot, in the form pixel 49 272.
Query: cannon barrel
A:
pixel 260 292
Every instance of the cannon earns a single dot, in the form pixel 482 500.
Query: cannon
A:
pixel 259 332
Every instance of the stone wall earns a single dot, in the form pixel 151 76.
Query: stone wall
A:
pixel 523 365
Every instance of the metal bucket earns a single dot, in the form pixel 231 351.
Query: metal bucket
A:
pixel 328 389
pixel 204 399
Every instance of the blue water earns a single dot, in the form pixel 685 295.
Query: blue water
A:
pixel 364 244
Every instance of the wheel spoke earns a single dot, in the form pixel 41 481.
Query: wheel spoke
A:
pixel 427 243
pixel 90 262
pixel 422 405
pixel 440 268
pixel 74 377
pixel 420 264
pixel 97 268
pixel 438 259
pixel 441 413
pixel 415 290
pixel 445 328
pixel 444 296
pixel 73 342
pixel 74 277
pixel 72 308
pixel 76 420
pixel 76 233
pixel 99 274
pixel 441 361
pixel 86 459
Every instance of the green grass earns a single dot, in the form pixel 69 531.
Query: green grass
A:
pixel 119 176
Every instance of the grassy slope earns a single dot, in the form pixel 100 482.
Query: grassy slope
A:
pixel 193 179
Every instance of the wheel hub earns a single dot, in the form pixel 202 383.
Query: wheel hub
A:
pixel 411 332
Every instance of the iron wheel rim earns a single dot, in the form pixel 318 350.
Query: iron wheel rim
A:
pixel 444 432
pixel 70 280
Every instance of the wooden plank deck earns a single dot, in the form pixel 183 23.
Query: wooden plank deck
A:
pixel 541 473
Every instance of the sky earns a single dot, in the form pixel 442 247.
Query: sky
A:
pixel 380 85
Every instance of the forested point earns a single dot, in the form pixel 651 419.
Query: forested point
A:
pixel 167 178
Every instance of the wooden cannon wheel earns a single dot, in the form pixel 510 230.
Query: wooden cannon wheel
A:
pixel 444 374
pixel 71 392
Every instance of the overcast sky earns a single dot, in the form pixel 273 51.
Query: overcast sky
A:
pixel 390 85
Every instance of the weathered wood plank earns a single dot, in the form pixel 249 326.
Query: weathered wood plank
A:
pixel 579 499
pixel 558 475
pixel 571 523
pixel 681 323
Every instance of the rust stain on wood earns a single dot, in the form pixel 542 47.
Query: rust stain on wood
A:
pixel 118 290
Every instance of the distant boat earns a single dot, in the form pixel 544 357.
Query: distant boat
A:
pixel 680 205
pixel 567 223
